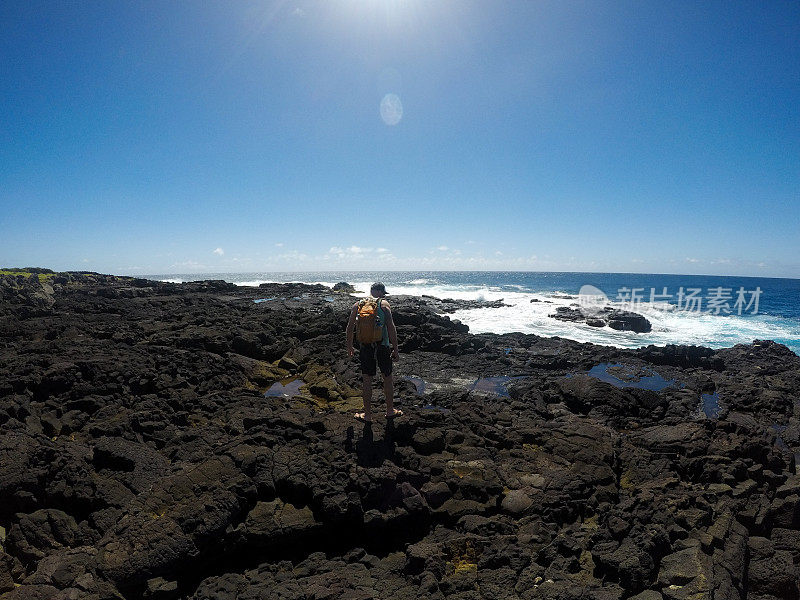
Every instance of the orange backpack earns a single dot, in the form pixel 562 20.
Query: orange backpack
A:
pixel 368 326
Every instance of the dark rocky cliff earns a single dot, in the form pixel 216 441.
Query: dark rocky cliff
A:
pixel 139 456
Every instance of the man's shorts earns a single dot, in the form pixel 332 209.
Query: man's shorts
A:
pixel 372 355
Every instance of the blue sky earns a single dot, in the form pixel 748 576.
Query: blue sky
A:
pixel 175 137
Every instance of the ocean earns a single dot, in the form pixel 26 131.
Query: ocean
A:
pixel 712 311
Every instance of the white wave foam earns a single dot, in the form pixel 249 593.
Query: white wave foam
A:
pixel 670 326
pixel 254 283
pixel 457 292
pixel 172 280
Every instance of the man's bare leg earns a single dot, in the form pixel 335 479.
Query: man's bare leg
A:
pixel 388 392
pixel 366 392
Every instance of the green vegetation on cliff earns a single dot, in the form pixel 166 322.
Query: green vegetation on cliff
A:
pixel 42 273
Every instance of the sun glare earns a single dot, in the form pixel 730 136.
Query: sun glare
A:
pixel 391 109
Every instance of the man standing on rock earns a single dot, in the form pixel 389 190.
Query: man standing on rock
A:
pixel 376 354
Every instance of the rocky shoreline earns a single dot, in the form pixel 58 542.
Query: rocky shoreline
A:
pixel 141 458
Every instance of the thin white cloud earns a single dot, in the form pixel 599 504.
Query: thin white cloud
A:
pixel 192 265
pixel 219 251
pixel 279 245
pixel 454 261
pixel 442 248
pixel 357 255
pixel 293 255
pixel 355 251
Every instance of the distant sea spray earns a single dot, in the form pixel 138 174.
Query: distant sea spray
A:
pixel 532 297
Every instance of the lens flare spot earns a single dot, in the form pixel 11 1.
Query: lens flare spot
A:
pixel 391 109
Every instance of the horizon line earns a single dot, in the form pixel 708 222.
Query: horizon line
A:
pixel 464 271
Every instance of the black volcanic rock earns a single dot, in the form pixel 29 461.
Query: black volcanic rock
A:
pixel 623 320
pixel 566 313
pixel 140 458
pixel 450 305
pixel 26 296
pixel 614 318
pixel 344 288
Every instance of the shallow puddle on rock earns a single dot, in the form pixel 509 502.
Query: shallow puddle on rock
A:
pixel 419 383
pixel 260 300
pixel 287 388
pixel 632 378
pixel 435 407
pixel 329 298
pixel 709 404
pixel 781 443
pixel 493 385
